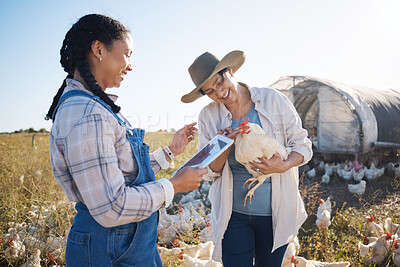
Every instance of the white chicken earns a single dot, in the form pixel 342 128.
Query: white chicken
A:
pixel 324 214
pixel 184 220
pixel 311 173
pixel 33 260
pixel 329 169
pixel 371 227
pixel 302 262
pixel 291 251
pixel 166 227
pixel 396 237
pixel 345 174
pixel 325 178
pixel 168 255
pixel 207 233
pixel 321 166
pixel 358 175
pixel 391 227
pixel 202 251
pixel 377 251
pixel 251 144
pixel 396 253
pixel 373 173
pixel 15 248
pixel 193 262
pixel 357 188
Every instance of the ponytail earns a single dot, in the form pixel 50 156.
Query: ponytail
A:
pixel 56 99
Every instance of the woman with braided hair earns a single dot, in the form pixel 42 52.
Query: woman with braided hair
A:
pixel 100 161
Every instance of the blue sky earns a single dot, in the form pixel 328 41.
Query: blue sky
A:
pixel 355 42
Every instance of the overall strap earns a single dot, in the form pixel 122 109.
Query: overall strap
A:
pixel 84 94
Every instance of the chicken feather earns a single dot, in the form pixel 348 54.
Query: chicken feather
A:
pixel 251 144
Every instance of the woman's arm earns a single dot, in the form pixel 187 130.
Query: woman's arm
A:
pixel 92 165
pixel 160 159
pixel 276 165
pixel 218 164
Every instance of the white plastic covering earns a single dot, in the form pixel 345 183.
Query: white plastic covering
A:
pixel 345 123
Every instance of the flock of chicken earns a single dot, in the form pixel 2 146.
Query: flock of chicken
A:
pixel 171 227
pixel 190 255
pixel 349 171
pixel 379 244
pixel 23 239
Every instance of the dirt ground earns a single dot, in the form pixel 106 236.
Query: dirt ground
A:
pixel 377 191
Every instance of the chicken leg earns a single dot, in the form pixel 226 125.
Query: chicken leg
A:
pixel 250 194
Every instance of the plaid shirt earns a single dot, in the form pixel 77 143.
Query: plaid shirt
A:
pixel 92 161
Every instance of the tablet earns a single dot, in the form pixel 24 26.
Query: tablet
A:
pixel 209 152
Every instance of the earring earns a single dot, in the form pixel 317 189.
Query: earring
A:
pixel 100 59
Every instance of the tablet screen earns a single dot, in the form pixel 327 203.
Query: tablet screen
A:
pixel 209 152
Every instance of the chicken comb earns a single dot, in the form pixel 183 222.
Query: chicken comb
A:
pixel 244 127
pixel 388 235
pixel 372 217
pixel 319 200
pixel 396 244
pixel 244 123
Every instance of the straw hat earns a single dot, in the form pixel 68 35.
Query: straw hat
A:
pixel 206 66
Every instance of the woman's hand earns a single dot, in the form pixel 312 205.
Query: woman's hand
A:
pixel 188 179
pixel 267 166
pixel 229 132
pixel 182 138
pixel 276 165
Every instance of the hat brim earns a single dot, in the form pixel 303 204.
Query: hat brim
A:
pixel 233 60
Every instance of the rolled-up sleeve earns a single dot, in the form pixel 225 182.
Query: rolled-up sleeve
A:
pixel 296 135
pixel 92 162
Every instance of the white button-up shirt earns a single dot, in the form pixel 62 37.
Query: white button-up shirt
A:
pixel 280 120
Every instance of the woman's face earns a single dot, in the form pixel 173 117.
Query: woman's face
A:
pixel 115 63
pixel 221 88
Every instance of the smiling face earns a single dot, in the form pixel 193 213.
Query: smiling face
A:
pixel 221 87
pixel 115 63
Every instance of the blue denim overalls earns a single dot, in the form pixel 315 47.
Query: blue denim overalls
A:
pixel 133 244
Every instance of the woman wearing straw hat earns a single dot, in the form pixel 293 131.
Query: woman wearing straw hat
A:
pixel 100 161
pixel 260 231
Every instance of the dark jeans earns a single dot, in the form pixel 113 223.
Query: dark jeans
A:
pixel 250 237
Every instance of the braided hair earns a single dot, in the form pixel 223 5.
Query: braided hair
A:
pixel 77 43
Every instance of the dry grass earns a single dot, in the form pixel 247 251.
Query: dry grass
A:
pixel 29 194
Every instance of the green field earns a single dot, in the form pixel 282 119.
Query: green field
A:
pixel 33 205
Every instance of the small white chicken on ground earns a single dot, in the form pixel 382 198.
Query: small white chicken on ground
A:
pixel 391 227
pixel 324 214
pixel 371 228
pixel 358 189
pixel 251 144
pixel 190 255
pixel 325 178
pixel 302 262
pixel 376 251
pixel 291 250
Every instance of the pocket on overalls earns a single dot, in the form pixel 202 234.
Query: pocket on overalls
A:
pixel 78 249
pixel 124 239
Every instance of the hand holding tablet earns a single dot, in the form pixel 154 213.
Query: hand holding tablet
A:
pixel 209 152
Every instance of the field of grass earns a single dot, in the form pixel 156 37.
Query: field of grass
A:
pixel 34 206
